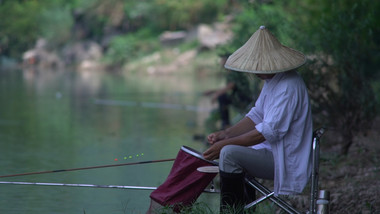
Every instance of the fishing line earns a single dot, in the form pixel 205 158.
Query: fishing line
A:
pixel 150 105
pixel 85 168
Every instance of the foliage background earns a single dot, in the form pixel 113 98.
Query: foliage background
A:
pixel 341 39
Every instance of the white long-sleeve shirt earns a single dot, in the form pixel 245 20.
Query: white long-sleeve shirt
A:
pixel 282 115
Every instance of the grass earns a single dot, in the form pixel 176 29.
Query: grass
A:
pixel 203 208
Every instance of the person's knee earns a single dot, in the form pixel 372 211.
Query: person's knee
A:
pixel 226 152
pixel 227 162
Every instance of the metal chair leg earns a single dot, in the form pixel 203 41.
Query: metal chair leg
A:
pixel 269 195
pixel 315 172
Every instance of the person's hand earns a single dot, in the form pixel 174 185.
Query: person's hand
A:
pixel 213 152
pixel 216 136
pixel 208 93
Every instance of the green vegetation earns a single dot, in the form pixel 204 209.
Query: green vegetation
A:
pixel 23 22
pixel 341 39
pixel 130 46
pixel 202 208
pixel 346 64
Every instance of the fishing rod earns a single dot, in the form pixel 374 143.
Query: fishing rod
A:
pixel 77 185
pixel 211 190
pixel 84 168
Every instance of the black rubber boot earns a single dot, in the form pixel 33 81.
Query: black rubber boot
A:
pixel 232 193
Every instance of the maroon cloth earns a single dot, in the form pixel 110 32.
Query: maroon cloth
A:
pixel 184 183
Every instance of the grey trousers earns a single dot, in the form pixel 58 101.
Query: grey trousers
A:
pixel 238 159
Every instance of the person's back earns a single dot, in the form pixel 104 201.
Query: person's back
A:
pixel 282 115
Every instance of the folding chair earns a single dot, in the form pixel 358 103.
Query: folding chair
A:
pixel 268 194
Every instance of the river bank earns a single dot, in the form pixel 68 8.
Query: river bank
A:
pixel 353 180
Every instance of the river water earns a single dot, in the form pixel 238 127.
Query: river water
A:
pixel 51 120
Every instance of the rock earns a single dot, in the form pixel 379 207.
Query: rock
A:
pixel 40 57
pixel 89 65
pixel 171 38
pixel 82 51
pixel 212 36
pixel 182 60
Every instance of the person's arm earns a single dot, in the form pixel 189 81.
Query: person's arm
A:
pixel 215 93
pixel 250 138
pixel 243 126
pixel 222 91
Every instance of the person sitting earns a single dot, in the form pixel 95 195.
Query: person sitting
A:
pixel 235 93
pixel 273 140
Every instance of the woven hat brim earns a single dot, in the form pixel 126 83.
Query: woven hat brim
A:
pixel 266 71
pixel 264 54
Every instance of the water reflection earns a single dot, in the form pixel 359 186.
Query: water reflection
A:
pixel 65 119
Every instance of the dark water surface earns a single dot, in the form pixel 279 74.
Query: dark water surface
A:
pixel 53 120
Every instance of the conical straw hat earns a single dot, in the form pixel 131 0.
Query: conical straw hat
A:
pixel 264 54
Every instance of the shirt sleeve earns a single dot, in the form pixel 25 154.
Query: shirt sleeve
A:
pixel 278 116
